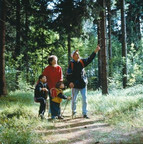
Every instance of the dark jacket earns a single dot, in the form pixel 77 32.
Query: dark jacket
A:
pixel 38 92
pixel 77 73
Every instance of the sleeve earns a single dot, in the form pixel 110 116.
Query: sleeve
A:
pixel 69 74
pixel 60 74
pixel 46 86
pixel 37 90
pixel 88 60
pixel 62 96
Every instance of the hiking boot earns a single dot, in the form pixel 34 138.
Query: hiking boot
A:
pixel 85 116
pixel 74 115
pixel 60 117
pixel 41 116
pixel 53 117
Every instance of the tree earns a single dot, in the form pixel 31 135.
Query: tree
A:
pixel 18 34
pixel 3 90
pixel 68 20
pixel 109 37
pixel 134 18
pixel 99 53
pixel 26 7
pixel 124 43
pixel 103 49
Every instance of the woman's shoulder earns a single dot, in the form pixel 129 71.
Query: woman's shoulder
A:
pixel 49 67
pixel 58 66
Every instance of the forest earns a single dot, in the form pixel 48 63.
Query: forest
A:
pixel 32 30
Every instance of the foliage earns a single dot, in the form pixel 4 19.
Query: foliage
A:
pixel 44 29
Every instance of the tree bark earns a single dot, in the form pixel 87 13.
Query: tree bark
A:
pixel 124 44
pixel 26 37
pixel 104 49
pixel 109 37
pixel 3 90
pixel 17 51
pixel 99 54
pixel 133 25
pixel 69 47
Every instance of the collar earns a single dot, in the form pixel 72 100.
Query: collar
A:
pixel 75 61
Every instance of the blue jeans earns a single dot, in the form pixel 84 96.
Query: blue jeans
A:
pixel 83 92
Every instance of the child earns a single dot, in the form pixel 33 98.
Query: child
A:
pixel 57 96
pixel 40 96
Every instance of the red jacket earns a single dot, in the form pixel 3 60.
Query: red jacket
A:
pixel 53 74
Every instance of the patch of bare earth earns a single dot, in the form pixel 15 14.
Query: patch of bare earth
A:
pixel 87 131
pixel 75 131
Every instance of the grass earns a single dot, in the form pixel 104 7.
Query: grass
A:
pixel 18 119
pixel 122 108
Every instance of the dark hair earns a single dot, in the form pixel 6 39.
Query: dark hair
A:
pixel 58 84
pixel 50 59
pixel 41 76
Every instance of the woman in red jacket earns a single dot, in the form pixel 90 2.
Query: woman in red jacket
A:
pixel 53 73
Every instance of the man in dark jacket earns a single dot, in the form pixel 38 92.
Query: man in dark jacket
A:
pixel 78 80
pixel 40 96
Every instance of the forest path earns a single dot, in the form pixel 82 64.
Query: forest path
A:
pixel 82 131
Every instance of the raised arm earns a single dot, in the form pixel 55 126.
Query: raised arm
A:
pixel 91 57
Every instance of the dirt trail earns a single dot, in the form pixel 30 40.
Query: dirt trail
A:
pixel 75 131
pixel 84 131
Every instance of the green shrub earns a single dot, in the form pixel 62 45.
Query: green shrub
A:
pixel 16 131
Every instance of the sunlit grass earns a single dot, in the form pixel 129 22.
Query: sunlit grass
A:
pixel 19 120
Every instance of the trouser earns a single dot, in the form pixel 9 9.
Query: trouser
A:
pixel 42 102
pixel 83 92
pixel 55 109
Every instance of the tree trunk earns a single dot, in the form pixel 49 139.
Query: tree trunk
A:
pixel 99 53
pixel 133 25
pixel 17 51
pixel 109 38
pixel 124 44
pixel 26 37
pixel 3 90
pixel 104 49
pixel 69 47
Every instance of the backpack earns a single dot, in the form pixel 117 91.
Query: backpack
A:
pixel 79 61
pixel 53 92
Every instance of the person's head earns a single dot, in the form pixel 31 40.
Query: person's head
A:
pixel 52 60
pixel 42 78
pixel 75 55
pixel 60 85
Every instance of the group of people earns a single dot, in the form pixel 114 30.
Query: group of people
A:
pixel 51 82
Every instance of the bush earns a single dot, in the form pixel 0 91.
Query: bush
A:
pixel 15 131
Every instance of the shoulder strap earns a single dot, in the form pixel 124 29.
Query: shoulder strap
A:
pixel 72 65
pixel 81 61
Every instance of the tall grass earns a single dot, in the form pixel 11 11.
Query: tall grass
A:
pixel 19 121
pixel 122 107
